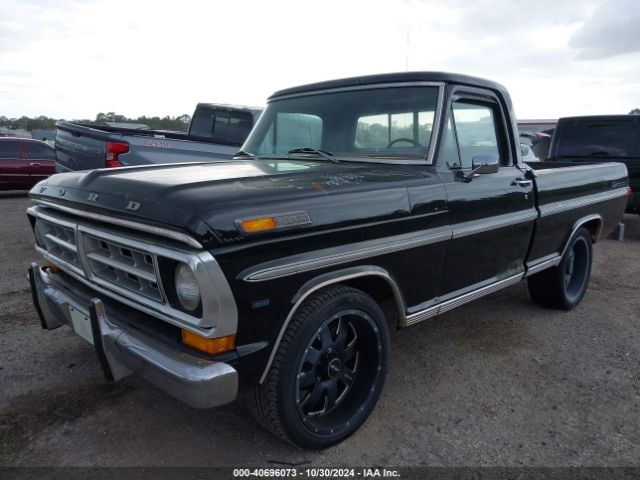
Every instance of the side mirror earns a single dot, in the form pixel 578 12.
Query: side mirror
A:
pixel 485 164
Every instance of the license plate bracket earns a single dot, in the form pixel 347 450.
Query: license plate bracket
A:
pixel 81 324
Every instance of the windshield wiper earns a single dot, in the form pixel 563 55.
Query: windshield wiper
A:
pixel 324 154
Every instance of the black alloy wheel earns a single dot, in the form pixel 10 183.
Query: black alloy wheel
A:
pixel 328 371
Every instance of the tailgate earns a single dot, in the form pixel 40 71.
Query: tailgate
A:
pixel 79 148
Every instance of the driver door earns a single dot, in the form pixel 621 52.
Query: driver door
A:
pixel 491 214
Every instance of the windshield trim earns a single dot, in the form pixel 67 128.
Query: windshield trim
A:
pixel 437 117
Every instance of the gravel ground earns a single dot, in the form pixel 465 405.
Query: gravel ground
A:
pixel 499 382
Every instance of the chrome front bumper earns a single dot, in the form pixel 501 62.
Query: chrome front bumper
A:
pixel 123 350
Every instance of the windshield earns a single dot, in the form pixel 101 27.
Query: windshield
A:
pixel 599 138
pixel 382 122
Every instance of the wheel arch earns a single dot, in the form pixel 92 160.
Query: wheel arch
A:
pixel 371 279
pixel 592 223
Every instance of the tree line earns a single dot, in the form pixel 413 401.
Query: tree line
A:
pixel 42 122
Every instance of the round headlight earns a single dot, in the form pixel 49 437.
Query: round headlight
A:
pixel 187 289
pixel 37 230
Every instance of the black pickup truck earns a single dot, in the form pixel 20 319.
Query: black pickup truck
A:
pixel 356 206
pixel 601 138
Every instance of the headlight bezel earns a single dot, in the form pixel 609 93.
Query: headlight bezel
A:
pixel 167 268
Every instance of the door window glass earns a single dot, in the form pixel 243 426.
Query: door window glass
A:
pixel 9 149
pixel 476 131
pixel 39 151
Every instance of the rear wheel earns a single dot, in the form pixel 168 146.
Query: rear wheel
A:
pixel 328 371
pixel 564 286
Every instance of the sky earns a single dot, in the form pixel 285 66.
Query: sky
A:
pixel 73 59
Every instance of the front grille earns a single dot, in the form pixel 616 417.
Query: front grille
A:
pixel 125 267
pixel 100 257
pixel 123 262
pixel 59 240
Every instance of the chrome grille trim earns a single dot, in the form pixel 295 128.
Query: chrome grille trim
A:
pixel 142 227
pixel 59 237
pixel 219 311
pixel 62 243
pixel 108 260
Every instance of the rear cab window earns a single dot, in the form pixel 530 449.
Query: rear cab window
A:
pixel 228 126
pixel 599 138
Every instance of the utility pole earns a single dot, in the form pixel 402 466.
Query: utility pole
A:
pixel 406 63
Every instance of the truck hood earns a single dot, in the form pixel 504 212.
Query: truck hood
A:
pixel 206 199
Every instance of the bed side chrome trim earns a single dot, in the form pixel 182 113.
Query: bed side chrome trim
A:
pixel 134 225
pixel 562 206
pixel 542 263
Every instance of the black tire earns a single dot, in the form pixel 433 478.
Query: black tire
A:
pixel 323 382
pixel 563 287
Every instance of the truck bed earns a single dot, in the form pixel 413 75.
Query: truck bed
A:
pixel 566 195
pixel 83 146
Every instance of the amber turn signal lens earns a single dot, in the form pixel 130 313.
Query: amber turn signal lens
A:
pixel 53 268
pixel 258 224
pixel 212 346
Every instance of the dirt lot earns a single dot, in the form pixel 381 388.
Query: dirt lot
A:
pixel 497 382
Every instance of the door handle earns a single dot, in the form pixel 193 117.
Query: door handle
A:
pixel 521 182
pixel 35 164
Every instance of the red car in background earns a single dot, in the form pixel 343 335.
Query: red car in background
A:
pixel 24 162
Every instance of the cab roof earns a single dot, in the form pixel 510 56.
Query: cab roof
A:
pixel 443 77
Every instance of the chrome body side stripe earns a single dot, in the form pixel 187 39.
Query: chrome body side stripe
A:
pixel 318 259
pixel 344 254
pixel 562 206
pixel 493 223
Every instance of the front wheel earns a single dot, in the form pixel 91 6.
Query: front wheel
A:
pixel 564 286
pixel 328 371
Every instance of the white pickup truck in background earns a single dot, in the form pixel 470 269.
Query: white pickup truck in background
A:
pixel 216 132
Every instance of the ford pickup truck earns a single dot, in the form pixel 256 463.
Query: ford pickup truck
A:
pixel 216 131
pixel 355 207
